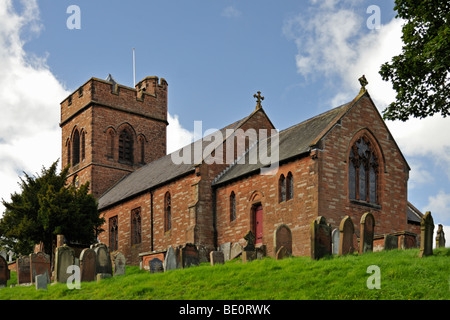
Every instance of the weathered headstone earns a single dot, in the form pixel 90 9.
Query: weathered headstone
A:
pixel 426 235
pixel 189 256
pixel 119 264
pixel 282 253
pixel 216 257
pixel 250 238
pixel 320 238
pixel 156 266
pixel 4 272
pixel 390 242
pixel 440 237
pixel 367 231
pixel 236 250
pixel 41 281
pixel 60 240
pixel 101 276
pixel 346 231
pixel 248 256
pixel 283 238
pixel 226 249
pixel 103 262
pixel 40 264
pixel 88 259
pixel 170 260
pixel 23 270
pixel 335 241
pixel 64 257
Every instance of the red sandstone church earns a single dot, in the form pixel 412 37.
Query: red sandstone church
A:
pixel 343 162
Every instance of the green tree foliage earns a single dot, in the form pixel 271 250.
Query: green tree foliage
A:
pixel 46 206
pixel 420 75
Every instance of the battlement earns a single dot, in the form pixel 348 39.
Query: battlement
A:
pixel 148 98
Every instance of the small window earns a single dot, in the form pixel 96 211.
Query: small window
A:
pixel 76 148
pixel 136 226
pixel 113 233
pixel 290 186
pixel 282 188
pixel 232 206
pixel 167 212
pixel 125 147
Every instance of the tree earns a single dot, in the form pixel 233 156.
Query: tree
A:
pixel 420 75
pixel 45 207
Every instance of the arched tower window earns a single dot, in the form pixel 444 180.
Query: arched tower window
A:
pixel 126 147
pixel 167 212
pixel 76 148
pixel 363 172
pixel 83 145
pixel 232 206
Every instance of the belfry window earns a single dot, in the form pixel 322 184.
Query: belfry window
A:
pixel 125 147
pixel 76 148
pixel 363 172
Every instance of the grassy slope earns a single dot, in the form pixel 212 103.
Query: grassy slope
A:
pixel 403 276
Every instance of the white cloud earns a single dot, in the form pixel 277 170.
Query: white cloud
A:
pixel 231 12
pixel 177 136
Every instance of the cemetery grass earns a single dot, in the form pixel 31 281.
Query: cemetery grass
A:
pixel 404 276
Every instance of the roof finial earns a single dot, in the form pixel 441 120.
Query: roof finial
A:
pixel 363 81
pixel 259 98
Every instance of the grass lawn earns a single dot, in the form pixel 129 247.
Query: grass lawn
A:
pixel 403 275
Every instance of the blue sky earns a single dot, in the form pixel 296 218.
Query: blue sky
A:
pixel 304 56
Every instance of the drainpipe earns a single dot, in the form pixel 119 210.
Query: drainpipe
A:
pixel 151 220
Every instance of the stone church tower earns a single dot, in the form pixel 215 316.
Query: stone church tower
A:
pixel 110 130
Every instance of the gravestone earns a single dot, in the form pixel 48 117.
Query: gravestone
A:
pixel 88 259
pixel 226 249
pixel 41 282
pixel 236 250
pixel 282 253
pixel 335 241
pixel 119 264
pixel 320 238
pixel 216 257
pixel 23 270
pixel 367 231
pixel 64 257
pixel 250 238
pixel 4 272
pixel 103 261
pixel 390 242
pixel 40 264
pixel 170 260
pixel 283 238
pixel 440 237
pixel 189 256
pixel 156 266
pixel 346 231
pixel 426 235
pixel 248 256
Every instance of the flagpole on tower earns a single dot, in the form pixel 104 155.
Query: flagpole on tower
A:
pixel 134 69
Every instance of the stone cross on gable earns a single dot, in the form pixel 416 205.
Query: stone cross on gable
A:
pixel 259 98
pixel 363 82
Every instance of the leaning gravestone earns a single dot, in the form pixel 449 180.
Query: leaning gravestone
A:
pixel 346 231
pixel 320 238
pixel 170 260
pixel 189 256
pixel 216 257
pixel 367 231
pixel 236 250
pixel 426 235
pixel 64 257
pixel 390 242
pixel 440 237
pixel 283 238
pixel 119 264
pixel 40 264
pixel 4 272
pixel 103 262
pixel 23 270
pixel 156 266
pixel 335 241
pixel 88 259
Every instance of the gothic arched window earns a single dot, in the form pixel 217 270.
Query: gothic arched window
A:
pixel 113 233
pixel 290 186
pixel 83 145
pixel 76 148
pixel 136 226
pixel 282 188
pixel 363 172
pixel 167 212
pixel 232 206
pixel 126 147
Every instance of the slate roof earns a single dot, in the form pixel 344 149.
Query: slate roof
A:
pixel 413 214
pixel 293 142
pixel 154 174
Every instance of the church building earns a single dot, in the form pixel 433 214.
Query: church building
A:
pixel 343 162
